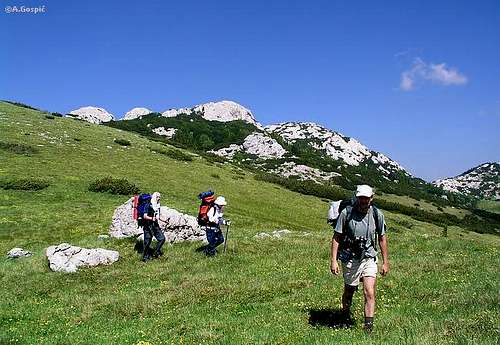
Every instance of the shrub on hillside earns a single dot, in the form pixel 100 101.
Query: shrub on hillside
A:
pixel 32 184
pixel 123 142
pixel 49 117
pixel 20 149
pixel 213 158
pixel 179 155
pixel 112 185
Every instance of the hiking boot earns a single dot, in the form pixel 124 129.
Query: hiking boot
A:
pixel 368 327
pixel 158 254
pixel 146 258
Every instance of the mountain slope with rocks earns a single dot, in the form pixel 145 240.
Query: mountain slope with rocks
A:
pixel 335 145
pixel 482 181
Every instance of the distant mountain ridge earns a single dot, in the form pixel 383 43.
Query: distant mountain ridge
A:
pixel 482 181
pixel 298 150
pixel 302 151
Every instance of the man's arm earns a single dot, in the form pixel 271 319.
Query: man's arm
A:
pixel 334 266
pixel 382 241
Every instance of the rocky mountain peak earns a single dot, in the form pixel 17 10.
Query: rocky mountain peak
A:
pixel 222 111
pixel 92 114
pixel 136 112
pixel 482 181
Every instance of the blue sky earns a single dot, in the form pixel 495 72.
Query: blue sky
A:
pixel 419 82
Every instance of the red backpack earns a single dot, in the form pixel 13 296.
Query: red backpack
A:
pixel 207 201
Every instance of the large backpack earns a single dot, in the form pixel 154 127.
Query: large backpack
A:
pixel 207 201
pixel 143 202
pixel 336 207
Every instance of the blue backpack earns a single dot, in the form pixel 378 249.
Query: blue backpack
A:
pixel 143 203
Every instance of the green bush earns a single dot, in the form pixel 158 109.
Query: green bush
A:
pixel 19 149
pixel 213 158
pixel 123 142
pixel 24 184
pixel 172 153
pixel 179 155
pixel 50 117
pixel 114 186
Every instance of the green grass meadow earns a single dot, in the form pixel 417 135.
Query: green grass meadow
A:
pixel 443 287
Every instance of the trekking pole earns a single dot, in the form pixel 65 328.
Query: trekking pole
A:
pixel 225 240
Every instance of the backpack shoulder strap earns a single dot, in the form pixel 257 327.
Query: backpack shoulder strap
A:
pixel 348 218
pixel 378 227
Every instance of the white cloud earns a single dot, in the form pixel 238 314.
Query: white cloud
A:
pixel 446 76
pixel 421 72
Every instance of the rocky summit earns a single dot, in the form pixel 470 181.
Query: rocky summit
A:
pixel 482 181
pixel 92 115
pixel 223 111
pixel 136 112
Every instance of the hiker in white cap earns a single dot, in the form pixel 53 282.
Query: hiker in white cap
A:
pixel 215 220
pixel 359 228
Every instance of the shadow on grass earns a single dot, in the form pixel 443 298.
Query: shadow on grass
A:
pixel 201 249
pixel 333 318
pixel 139 248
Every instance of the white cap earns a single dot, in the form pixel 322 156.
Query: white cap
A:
pixel 364 190
pixel 221 201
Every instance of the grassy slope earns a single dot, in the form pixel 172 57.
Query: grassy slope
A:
pixel 489 205
pixel 441 290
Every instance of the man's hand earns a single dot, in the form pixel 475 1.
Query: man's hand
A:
pixel 385 269
pixel 334 267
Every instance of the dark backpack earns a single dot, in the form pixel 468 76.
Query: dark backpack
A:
pixel 143 202
pixel 207 201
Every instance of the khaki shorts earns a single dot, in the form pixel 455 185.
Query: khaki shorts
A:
pixel 355 270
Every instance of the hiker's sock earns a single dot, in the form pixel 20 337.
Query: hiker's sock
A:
pixel 368 324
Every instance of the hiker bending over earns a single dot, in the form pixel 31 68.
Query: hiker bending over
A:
pixel 354 244
pixel 215 220
pixel 152 228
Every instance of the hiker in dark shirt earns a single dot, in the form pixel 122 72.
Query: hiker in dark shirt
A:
pixel 152 228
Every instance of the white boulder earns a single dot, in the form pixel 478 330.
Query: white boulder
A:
pixel 263 146
pixel 136 112
pixel 15 253
pixel 257 144
pixel 177 226
pixel 92 115
pixel 67 258
pixel 165 132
